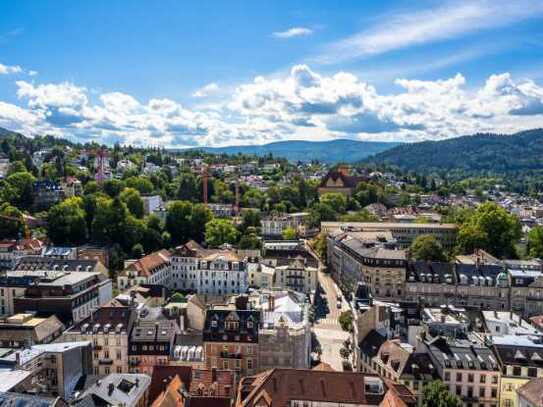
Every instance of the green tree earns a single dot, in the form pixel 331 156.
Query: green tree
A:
pixel 249 240
pixel 66 222
pixel 535 242
pixel 11 222
pixel 113 187
pixel 289 234
pixel 16 166
pixel 427 248
pixel 199 217
pixel 359 216
pixel 346 321
pixel 142 184
pixel 132 198
pixel 490 228
pixel 188 188
pixel 220 231
pixel 436 394
pixel 250 218
pixel 23 188
pixel 137 251
pixel 321 212
pixel 337 201
pixel 178 221
pixel 178 297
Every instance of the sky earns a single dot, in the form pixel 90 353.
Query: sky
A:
pixel 178 73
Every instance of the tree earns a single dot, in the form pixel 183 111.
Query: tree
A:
pixel 66 222
pixel 427 248
pixel 11 222
pixel 110 223
pixel 142 184
pixel 220 231
pixel 113 187
pixel 199 217
pixel 178 222
pixel 535 242
pixel 137 251
pixel 321 212
pixel 337 201
pixel 250 218
pixel 346 321
pixel 23 188
pixel 132 198
pixel 188 188
pixel 492 229
pixel 289 233
pixel 359 216
pixel 249 240
pixel 178 297
pixel 436 394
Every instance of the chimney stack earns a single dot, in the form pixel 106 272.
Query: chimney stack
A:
pixel 110 389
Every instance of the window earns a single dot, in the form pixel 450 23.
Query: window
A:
pixel 249 363
pixel 459 377
pixel 458 390
pixel 470 377
pixel 517 371
pixel 107 370
pixel 532 372
pixel 494 379
pixel 481 392
pixel 470 392
pixel 493 392
pixel 447 376
pixel 482 378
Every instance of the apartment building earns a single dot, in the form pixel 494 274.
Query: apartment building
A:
pixel 108 330
pixel 274 226
pixel 231 339
pixel 351 258
pixel 26 330
pixel 404 233
pixel 155 268
pixel 208 271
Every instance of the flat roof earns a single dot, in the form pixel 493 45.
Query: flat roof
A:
pixel 389 225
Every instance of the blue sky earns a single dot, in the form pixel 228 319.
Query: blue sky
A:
pixel 180 73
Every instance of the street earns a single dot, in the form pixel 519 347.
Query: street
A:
pixel 327 328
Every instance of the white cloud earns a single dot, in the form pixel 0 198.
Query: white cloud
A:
pixel 7 69
pixel 301 104
pixel 293 32
pixel 454 19
pixel 207 90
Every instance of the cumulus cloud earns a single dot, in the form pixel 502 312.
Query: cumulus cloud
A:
pixel 207 90
pixel 301 104
pixel 7 69
pixel 293 32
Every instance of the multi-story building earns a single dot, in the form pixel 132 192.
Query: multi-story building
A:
pixel 285 331
pixel 274 226
pixel 151 269
pixel 50 370
pixel 521 359
pixel 108 329
pixel 340 181
pixel 399 362
pixel 127 390
pixel 47 194
pixel 403 233
pixel 59 263
pixel 151 344
pixel 71 296
pixel 208 271
pixel 469 369
pixel 11 251
pixel 230 339
pixel 352 259
pixel 529 395
pixel 298 387
pixel 152 204
pixel 25 330
pixel 91 252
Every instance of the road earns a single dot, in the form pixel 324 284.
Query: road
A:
pixel 327 329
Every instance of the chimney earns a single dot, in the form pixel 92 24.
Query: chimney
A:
pixel 137 382
pixel 17 358
pixel 110 389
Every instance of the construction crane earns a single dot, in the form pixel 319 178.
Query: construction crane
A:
pixel 205 179
pixel 26 229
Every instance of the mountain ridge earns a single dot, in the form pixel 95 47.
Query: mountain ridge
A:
pixel 472 154
pixel 332 151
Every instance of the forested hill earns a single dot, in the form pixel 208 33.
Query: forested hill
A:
pixel 479 154
pixel 341 150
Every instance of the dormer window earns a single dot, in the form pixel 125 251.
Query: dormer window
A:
pixel 249 324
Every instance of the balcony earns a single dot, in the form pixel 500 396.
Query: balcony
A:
pixel 105 361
